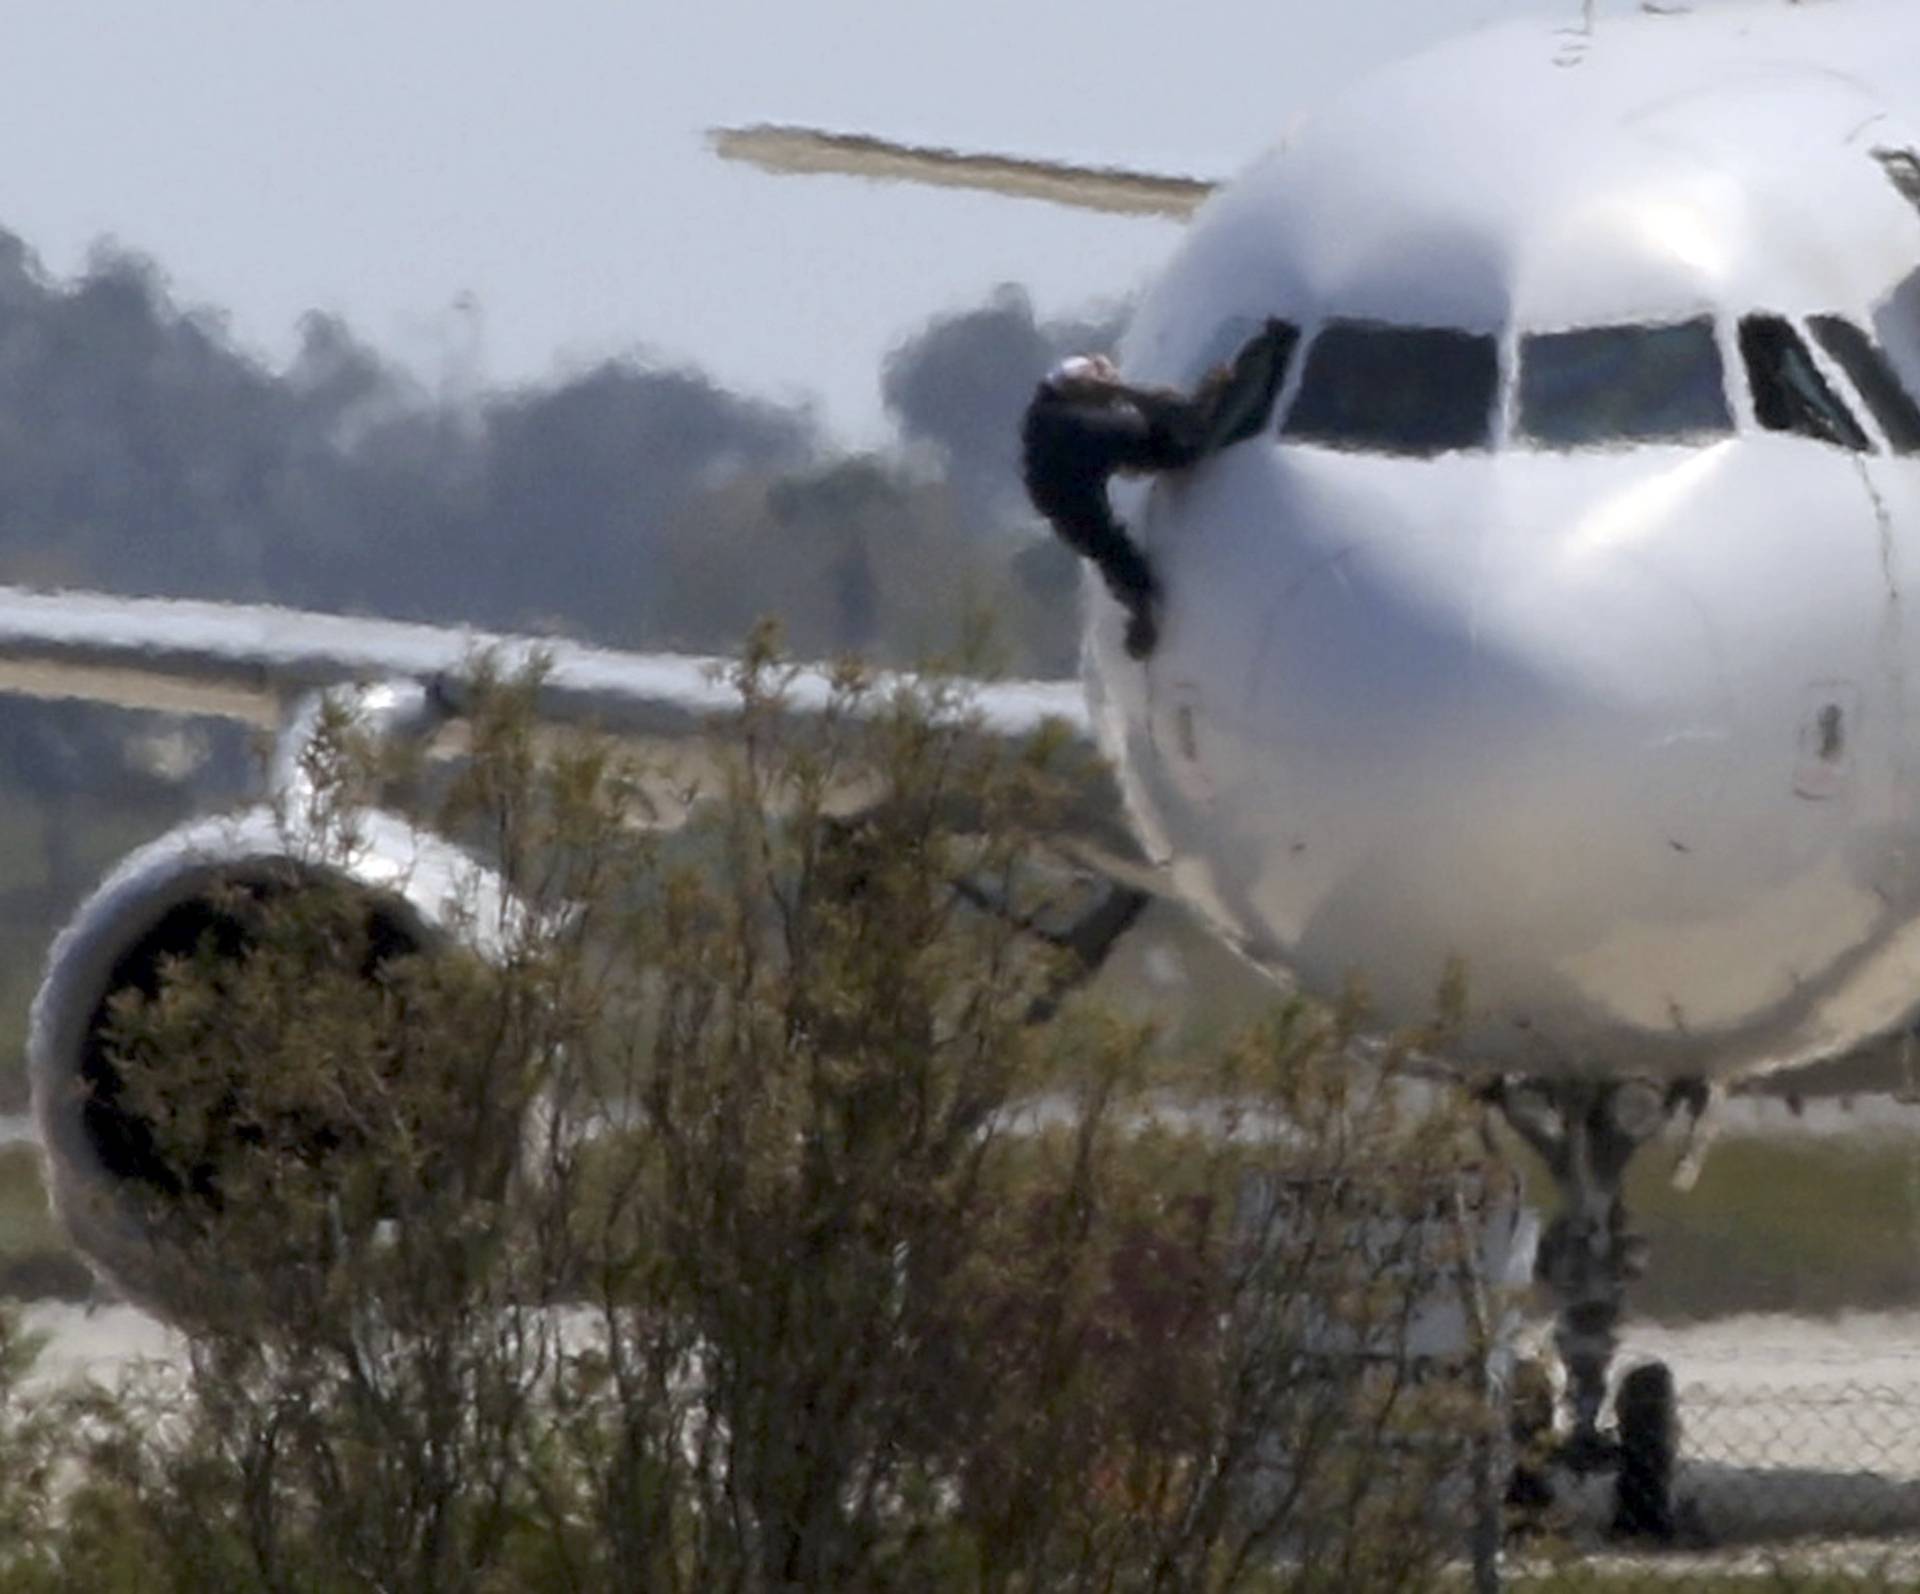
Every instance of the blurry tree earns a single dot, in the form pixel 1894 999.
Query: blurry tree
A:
pixel 142 450
pixel 962 382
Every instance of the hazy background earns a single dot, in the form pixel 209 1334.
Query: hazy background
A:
pixel 143 451
pixel 495 192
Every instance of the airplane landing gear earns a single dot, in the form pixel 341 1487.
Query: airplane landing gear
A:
pixel 1587 1131
pixel 1648 1423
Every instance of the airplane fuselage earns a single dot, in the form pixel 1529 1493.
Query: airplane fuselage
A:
pixel 1563 626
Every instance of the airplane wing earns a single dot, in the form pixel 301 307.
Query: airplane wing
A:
pixel 796 150
pixel 248 661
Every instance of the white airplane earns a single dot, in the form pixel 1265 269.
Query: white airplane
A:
pixel 1555 627
pixel 1563 624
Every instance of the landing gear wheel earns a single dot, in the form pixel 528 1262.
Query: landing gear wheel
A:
pixel 1648 1422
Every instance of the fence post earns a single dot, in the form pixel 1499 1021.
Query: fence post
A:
pixel 1486 1530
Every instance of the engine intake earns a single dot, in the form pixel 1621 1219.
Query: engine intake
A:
pixel 182 894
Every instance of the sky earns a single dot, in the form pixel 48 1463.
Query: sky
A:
pixel 500 193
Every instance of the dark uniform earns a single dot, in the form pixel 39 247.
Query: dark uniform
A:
pixel 1084 424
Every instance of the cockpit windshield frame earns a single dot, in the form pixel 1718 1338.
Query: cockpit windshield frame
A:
pixel 1419 392
pixel 1791 394
pixel 1874 380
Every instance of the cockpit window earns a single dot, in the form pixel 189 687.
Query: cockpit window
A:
pixel 1902 167
pixel 1397 390
pixel 1239 394
pixel 1867 368
pixel 1631 384
pixel 1789 393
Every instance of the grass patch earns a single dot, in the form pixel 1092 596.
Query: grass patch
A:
pixel 1651 1579
pixel 1804 1225
pixel 26 1223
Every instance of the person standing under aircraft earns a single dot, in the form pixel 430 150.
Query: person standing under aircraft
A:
pixel 1084 424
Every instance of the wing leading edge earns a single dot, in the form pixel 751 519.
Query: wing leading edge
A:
pixel 247 661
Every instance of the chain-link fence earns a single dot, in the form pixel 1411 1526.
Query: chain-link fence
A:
pixel 1813 1486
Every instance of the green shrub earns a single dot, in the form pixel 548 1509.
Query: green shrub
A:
pixel 736 1227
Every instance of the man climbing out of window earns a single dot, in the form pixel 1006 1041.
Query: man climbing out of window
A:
pixel 1084 424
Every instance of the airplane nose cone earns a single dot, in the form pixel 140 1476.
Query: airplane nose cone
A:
pixel 1484 754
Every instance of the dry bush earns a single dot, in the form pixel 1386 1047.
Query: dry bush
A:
pixel 735 1227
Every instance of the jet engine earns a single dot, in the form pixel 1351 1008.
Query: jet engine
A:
pixel 177 897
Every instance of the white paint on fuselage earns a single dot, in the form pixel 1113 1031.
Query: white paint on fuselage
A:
pixel 1546 714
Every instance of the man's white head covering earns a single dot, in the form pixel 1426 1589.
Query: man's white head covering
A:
pixel 1083 368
